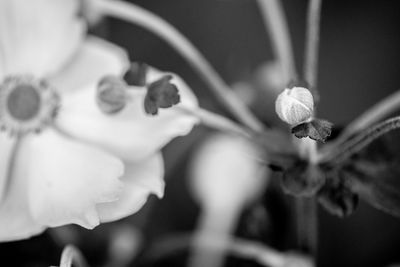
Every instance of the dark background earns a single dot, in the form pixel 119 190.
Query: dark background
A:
pixel 359 64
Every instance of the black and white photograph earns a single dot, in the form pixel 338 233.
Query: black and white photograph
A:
pixel 199 133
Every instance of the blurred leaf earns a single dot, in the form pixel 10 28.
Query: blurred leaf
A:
pixel 303 179
pixel 336 197
pixel 374 173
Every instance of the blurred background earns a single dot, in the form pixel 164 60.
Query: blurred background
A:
pixel 359 65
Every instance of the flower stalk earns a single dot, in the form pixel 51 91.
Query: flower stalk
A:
pixel 238 247
pixel 374 114
pixel 312 43
pixel 354 145
pixel 216 121
pixel 276 25
pixel 307 208
pixel 71 256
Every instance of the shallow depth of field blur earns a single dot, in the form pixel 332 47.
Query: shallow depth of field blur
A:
pixel 359 64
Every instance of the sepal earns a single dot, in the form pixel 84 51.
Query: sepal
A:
pixel 316 129
pixel 161 94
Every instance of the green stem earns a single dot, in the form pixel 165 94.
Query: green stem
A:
pixel 161 28
pixel 275 22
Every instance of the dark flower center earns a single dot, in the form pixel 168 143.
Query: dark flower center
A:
pixel 27 104
pixel 24 102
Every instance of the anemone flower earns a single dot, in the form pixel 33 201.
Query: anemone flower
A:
pixel 64 161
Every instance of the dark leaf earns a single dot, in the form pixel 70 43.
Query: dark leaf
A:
pixel 374 173
pixel 136 75
pixel 161 94
pixel 316 129
pixel 336 196
pixel 378 183
pixel 301 130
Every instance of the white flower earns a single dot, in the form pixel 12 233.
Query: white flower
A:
pixel 62 160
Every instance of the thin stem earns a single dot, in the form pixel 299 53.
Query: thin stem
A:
pixel 311 57
pixel 312 43
pixel 374 114
pixel 307 226
pixel 158 26
pixel 275 22
pixel 241 248
pixel 216 121
pixel 360 141
pixel 213 221
pixel 71 256
pixel 270 142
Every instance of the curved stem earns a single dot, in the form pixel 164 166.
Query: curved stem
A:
pixel 374 114
pixel 153 23
pixel 241 248
pixel 357 143
pixel 312 43
pixel 71 256
pixel 216 121
pixel 275 22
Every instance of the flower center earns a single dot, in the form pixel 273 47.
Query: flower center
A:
pixel 23 102
pixel 26 104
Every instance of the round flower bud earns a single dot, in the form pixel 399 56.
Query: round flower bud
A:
pixel 295 105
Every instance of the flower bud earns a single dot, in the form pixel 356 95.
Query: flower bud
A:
pixel 111 94
pixel 295 105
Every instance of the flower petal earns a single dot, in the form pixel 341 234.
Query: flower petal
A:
pixel 130 134
pixel 140 180
pixel 94 59
pixel 38 36
pixel 15 219
pixel 67 179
